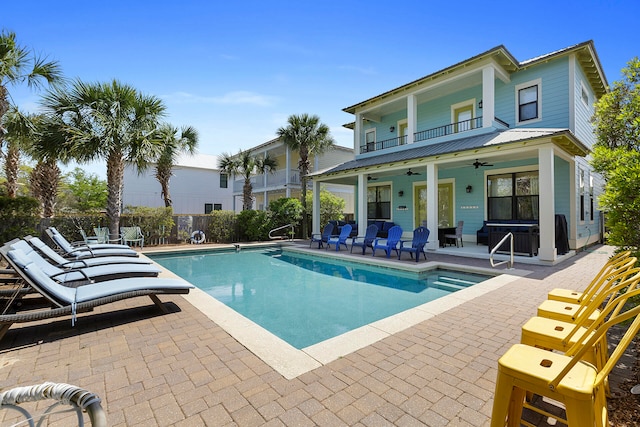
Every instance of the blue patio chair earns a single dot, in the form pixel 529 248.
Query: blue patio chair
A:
pixel 390 243
pixel 341 239
pixel 420 238
pixel 367 240
pixel 327 231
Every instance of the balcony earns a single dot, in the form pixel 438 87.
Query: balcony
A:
pixel 275 180
pixel 440 131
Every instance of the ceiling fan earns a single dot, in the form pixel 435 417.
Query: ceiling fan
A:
pixel 409 173
pixel 478 163
pixel 371 178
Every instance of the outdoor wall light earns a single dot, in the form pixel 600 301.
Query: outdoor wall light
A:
pixel 469 189
pixel 392 129
pixel 480 104
pixel 400 193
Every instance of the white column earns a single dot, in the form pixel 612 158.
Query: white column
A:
pixel 573 205
pixel 546 175
pixel 488 96
pixel 432 205
pixel 315 210
pixel 287 171
pixel 362 204
pixel 412 117
pixel 356 134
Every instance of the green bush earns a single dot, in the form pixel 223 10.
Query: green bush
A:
pixel 254 225
pixel 222 227
pixel 155 223
pixel 286 211
pixel 18 217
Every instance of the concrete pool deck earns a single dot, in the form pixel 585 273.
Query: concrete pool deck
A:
pixel 184 369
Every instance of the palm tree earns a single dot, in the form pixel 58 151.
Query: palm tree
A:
pixel 110 121
pixel 305 134
pixel 29 133
pixel 244 164
pixel 19 65
pixel 187 141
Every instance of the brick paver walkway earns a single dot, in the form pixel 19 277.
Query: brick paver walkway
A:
pixel 182 369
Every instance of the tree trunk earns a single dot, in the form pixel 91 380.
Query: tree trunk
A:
pixel 303 166
pixel 115 178
pixel 247 198
pixel 11 169
pixel 163 176
pixel 45 178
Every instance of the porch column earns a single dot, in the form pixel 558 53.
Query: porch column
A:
pixel 362 204
pixel 573 205
pixel 287 178
pixel 547 251
pixel 315 210
pixel 356 134
pixel 488 96
pixel 412 117
pixel 432 205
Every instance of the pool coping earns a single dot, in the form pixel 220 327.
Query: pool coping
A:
pixel 291 362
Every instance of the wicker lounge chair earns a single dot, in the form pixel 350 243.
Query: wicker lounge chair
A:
pixel 85 274
pixel 69 301
pixel 87 251
pixel 57 259
pixel 79 399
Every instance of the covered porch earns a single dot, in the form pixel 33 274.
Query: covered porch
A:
pixel 469 173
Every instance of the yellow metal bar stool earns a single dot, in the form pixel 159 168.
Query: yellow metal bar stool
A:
pixel 569 312
pixel 564 378
pixel 618 262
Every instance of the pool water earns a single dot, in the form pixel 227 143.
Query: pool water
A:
pixel 304 299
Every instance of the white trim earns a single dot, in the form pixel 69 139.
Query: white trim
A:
pixel 538 83
pixel 463 104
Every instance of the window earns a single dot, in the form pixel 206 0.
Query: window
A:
pixel 217 206
pixel 379 202
pixel 581 195
pixel 584 95
pixel 591 198
pixel 208 207
pixel 513 196
pixel 223 180
pixel 370 141
pixel 528 101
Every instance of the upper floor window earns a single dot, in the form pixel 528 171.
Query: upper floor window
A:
pixel 223 180
pixel 528 101
pixel 584 95
pixel 369 141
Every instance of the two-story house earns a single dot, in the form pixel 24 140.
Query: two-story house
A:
pixel 196 187
pixel 489 140
pixel 284 181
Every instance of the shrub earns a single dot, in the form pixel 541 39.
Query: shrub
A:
pixel 254 225
pixel 222 227
pixel 19 217
pixel 155 223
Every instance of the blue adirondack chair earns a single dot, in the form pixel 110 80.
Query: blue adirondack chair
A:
pixel 420 238
pixel 390 243
pixel 367 240
pixel 341 239
pixel 327 231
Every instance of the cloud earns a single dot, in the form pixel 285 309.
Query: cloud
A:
pixel 240 97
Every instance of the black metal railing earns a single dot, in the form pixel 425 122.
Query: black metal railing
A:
pixel 462 126
pixel 452 128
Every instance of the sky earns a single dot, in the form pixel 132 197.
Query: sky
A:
pixel 236 70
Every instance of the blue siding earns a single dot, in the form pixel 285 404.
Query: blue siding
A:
pixel 562 200
pixel 437 112
pixel 583 113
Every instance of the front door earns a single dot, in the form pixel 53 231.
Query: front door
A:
pixel 445 204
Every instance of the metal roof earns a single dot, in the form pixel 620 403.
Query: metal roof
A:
pixel 563 137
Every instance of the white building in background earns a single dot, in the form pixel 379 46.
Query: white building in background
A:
pixel 196 187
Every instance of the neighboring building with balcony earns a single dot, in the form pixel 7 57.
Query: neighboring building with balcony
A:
pixel 196 187
pixel 489 140
pixel 285 180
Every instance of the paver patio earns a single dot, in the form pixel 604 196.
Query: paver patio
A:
pixel 182 369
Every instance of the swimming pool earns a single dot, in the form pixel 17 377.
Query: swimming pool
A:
pixel 305 299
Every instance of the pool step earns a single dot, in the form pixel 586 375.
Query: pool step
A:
pixel 451 283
